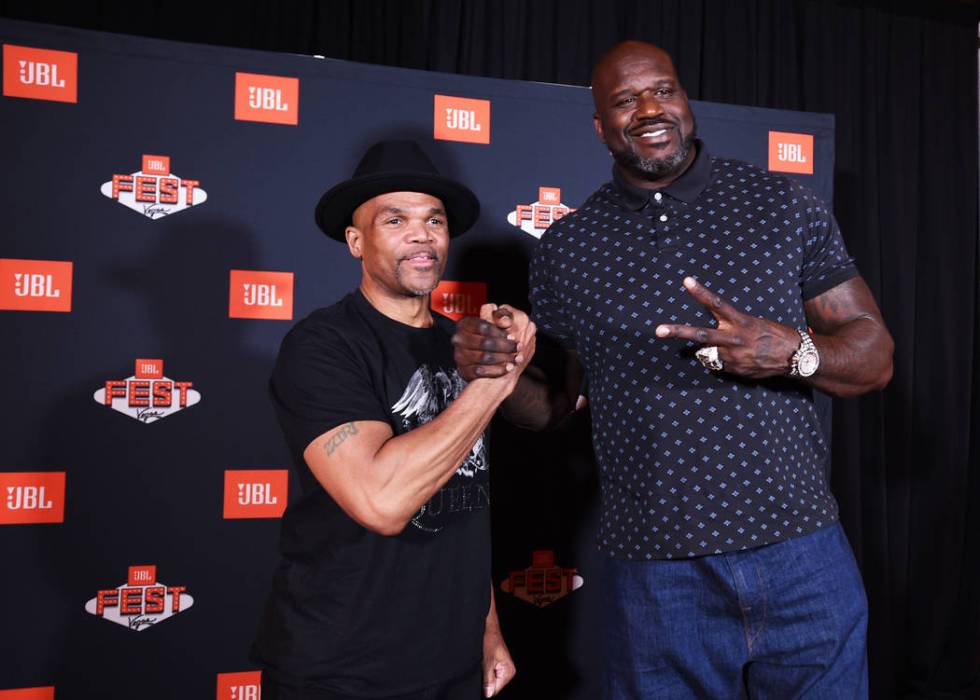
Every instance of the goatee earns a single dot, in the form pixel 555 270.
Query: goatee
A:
pixel 655 168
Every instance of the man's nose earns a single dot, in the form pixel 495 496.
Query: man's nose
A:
pixel 419 231
pixel 649 106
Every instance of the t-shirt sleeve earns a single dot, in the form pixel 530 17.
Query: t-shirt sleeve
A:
pixel 826 262
pixel 547 307
pixel 317 384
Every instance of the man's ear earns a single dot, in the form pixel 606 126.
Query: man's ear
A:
pixel 355 241
pixel 597 125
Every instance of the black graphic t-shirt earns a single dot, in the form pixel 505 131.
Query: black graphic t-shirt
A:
pixel 351 611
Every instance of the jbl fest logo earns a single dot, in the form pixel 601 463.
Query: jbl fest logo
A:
pixel 37 693
pixel 536 217
pixel 266 98
pixel 461 119
pixel 543 582
pixel 154 191
pixel 147 396
pixel 458 299
pixel 790 153
pixel 40 74
pixel 32 497
pixel 260 294
pixel 246 685
pixel 255 493
pixel 141 602
pixel 35 285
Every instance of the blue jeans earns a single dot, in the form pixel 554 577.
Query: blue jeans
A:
pixel 781 621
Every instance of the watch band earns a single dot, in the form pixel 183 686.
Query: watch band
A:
pixel 806 359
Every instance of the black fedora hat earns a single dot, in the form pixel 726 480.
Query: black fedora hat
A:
pixel 395 166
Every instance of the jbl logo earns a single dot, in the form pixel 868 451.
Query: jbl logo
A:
pixel 461 304
pixel 260 294
pixel 40 74
pixel 28 498
pixel 245 692
pixel 35 285
pixel 32 497
pixel 32 285
pixel 266 98
pixel 255 493
pixel 461 119
pixel 790 153
pixel 458 299
pixel 246 685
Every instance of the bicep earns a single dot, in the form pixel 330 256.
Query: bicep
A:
pixel 341 460
pixel 840 305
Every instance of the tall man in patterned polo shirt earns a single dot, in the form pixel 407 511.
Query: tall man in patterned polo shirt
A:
pixel 705 299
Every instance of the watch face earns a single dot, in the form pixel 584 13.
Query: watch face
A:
pixel 808 363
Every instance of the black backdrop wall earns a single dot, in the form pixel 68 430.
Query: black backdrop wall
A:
pixel 902 83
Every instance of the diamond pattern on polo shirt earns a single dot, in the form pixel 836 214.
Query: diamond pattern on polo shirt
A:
pixel 692 462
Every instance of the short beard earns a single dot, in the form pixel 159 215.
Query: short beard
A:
pixel 413 291
pixel 655 168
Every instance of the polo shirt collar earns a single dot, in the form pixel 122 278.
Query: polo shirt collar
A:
pixel 686 188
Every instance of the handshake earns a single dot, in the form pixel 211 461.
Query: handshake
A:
pixel 500 342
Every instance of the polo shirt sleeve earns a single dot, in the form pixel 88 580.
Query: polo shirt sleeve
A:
pixel 826 262
pixel 318 384
pixel 547 308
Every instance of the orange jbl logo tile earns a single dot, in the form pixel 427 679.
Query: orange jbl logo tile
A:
pixel 549 195
pixel 35 285
pixel 461 119
pixel 239 686
pixel 256 493
pixel 458 299
pixel 32 497
pixel 260 294
pixel 39 693
pixel 266 98
pixel 790 153
pixel 148 369
pixel 156 165
pixel 40 74
pixel 142 575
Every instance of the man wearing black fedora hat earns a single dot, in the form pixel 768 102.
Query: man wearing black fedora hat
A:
pixel 384 586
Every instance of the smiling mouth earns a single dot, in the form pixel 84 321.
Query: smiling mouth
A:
pixel 653 132
pixel 421 259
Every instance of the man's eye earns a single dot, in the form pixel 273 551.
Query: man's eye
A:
pixel 627 101
pixel 665 92
pixel 435 221
pixel 394 222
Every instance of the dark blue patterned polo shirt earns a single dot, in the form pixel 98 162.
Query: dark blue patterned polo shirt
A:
pixel 692 462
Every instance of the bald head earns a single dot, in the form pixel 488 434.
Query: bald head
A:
pixel 642 114
pixel 621 56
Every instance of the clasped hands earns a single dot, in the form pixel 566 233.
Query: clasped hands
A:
pixel 494 344
pixel 749 346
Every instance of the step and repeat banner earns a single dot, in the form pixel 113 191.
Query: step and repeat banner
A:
pixel 157 243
